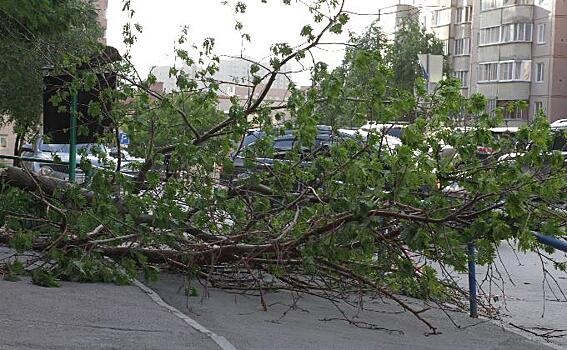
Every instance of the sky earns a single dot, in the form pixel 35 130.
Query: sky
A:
pixel 267 24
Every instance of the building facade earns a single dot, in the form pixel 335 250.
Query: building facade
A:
pixel 102 6
pixel 508 50
pixel 7 142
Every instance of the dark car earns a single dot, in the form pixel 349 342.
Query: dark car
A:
pixel 286 142
pixel 282 146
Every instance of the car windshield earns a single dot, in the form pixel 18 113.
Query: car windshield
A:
pixel 559 142
pixel 251 138
pixel 395 131
pixel 285 142
pixel 89 148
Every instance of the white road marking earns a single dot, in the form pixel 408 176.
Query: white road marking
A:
pixel 219 340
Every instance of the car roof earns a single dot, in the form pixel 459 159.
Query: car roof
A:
pixel 375 126
pixel 559 124
pixel 504 129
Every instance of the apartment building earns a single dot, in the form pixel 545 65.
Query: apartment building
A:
pixel 507 50
pixel 390 18
pixel 102 6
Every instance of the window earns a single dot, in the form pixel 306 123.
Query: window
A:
pixel 463 76
pixel 517 2
pixel 3 141
pixel 541 33
pixel 490 4
pixel 506 71
pixel 516 32
pixel 489 36
pixel 442 17
pixel 464 14
pixel 514 71
pixel 487 72
pixel 539 72
pixel 462 46
pixel 445 46
pixel 539 106
pixel 513 109
pixel 491 106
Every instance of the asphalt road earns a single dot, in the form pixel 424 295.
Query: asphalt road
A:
pixel 526 296
pixel 89 316
pixel 104 316
pixel 242 321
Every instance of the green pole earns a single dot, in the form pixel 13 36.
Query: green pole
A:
pixel 73 139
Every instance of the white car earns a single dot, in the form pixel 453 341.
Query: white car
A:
pixel 57 159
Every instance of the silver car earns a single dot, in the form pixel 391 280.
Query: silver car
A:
pixel 98 155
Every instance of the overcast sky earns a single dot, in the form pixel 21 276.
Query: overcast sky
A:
pixel 269 23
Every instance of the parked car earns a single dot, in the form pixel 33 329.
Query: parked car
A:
pixel 59 153
pixel 393 129
pixel 559 124
pixel 284 143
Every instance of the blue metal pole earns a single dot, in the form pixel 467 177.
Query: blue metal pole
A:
pixel 73 139
pixel 472 280
pixel 554 242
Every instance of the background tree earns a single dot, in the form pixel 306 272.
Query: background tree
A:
pixel 410 40
pixel 36 36
pixel 376 72
pixel 356 91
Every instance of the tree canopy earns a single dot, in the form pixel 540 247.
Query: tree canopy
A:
pixel 36 36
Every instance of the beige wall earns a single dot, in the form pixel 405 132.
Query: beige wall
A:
pixel 101 6
pixel 8 137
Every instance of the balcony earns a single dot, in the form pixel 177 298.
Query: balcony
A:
pixel 518 13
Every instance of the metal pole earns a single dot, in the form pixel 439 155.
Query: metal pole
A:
pixel 554 242
pixel 73 139
pixel 472 280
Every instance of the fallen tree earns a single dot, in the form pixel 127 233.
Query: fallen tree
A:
pixel 355 219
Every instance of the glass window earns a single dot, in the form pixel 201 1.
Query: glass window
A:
pixel 517 2
pixel 464 14
pixel 463 77
pixel 517 32
pixel 488 72
pixel 283 144
pixel 489 35
pixel 541 33
pixel 506 71
pixel 511 110
pixel 3 141
pixel 539 72
pixel 524 71
pixel 491 106
pixel 462 46
pixel 445 46
pixel 559 141
pixel 490 4
pixel 442 17
pixel 538 106
pixel 509 71
pixel 88 148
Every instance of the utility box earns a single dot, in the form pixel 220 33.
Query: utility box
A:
pixel 432 66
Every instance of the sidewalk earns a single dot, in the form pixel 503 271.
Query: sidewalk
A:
pixel 89 316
